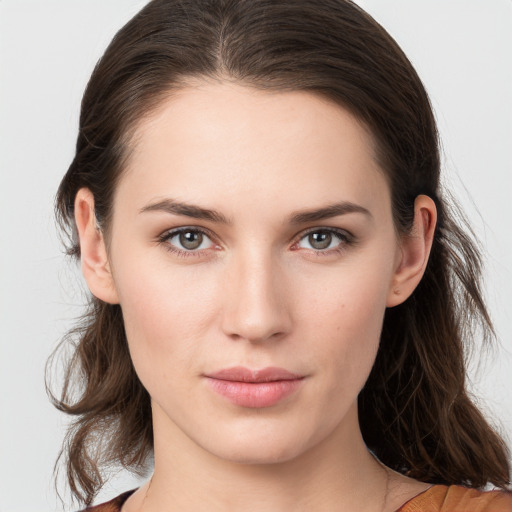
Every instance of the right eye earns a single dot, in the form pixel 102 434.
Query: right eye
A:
pixel 186 240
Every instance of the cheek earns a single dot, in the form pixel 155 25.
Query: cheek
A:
pixel 343 316
pixel 165 313
pixel 350 300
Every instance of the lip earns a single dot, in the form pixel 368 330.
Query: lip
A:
pixel 254 388
pixel 242 374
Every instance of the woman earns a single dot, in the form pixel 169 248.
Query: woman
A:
pixel 280 292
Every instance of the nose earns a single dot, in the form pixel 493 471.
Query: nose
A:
pixel 254 305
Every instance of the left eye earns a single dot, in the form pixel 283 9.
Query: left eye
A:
pixel 189 240
pixel 322 239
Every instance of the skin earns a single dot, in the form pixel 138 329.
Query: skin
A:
pixel 257 292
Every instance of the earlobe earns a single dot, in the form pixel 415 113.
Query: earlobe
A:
pixel 94 257
pixel 414 251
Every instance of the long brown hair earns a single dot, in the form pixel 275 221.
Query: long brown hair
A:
pixel 415 413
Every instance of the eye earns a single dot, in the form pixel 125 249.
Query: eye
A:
pixel 187 240
pixel 324 240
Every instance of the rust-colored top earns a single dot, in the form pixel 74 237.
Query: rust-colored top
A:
pixel 438 498
pixel 453 498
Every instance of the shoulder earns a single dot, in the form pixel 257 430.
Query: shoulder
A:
pixel 112 505
pixel 454 498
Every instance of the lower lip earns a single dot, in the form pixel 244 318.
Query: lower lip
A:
pixel 254 394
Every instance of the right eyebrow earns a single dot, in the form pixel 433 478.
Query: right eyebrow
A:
pixel 188 210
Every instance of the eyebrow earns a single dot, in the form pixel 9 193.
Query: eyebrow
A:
pixel 332 210
pixel 301 217
pixel 188 210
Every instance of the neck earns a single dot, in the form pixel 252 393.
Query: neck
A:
pixel 324 478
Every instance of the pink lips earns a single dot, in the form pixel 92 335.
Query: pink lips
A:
pixel 254 388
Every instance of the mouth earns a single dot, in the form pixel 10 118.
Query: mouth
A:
pixel 254 388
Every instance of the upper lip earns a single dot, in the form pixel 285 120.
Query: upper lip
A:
pixel 242 374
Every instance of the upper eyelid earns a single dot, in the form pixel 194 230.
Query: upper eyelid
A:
pixel 336 231
pixel 325 228
pixel 298 235
pixel 169 233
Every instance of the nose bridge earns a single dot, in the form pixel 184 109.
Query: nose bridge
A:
pixel 254 307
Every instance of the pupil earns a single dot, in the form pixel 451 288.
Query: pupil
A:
pixel 320 240
pixel 191 239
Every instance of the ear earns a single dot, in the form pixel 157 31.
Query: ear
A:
pixel 94 258
pixel 413 252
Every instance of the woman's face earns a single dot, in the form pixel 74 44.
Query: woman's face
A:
pixel 253 229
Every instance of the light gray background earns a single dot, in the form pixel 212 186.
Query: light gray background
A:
pixel 461 48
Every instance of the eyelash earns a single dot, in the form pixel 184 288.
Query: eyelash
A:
pixel 182 253
pixel 346 240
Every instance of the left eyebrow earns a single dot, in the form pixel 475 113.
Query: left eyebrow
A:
pixel 327 212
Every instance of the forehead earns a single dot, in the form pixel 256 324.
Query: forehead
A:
pixel 222 143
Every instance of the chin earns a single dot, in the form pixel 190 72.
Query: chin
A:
pixel 265 448
pixel 259 455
